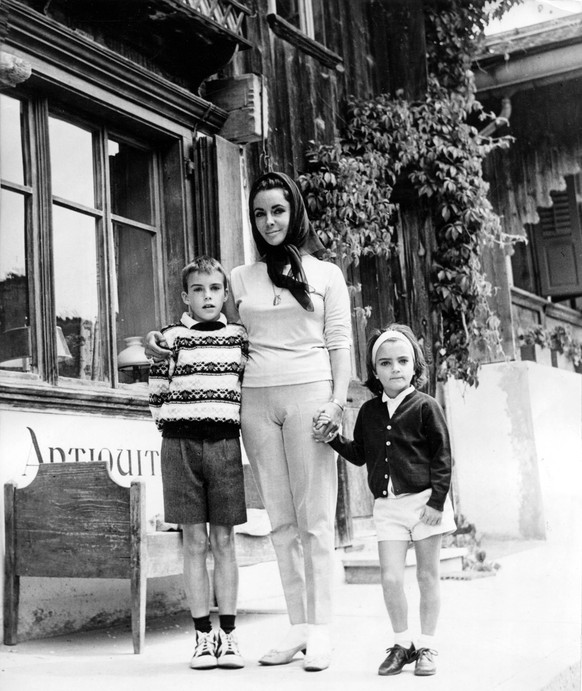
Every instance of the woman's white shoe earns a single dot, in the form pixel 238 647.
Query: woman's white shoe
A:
pixel 294 641
pixel 318 655
pixel 281 657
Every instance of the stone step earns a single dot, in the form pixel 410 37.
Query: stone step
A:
pixel 364 566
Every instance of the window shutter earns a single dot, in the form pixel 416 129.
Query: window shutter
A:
pixel 218 199
pixel 230 203
pixel 205 202
pixel 558 245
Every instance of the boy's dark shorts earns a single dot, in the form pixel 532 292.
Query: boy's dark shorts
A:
pixel 203 481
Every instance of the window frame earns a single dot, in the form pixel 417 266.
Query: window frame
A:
pixel 302 37
pixel 40 203
pixel 71 69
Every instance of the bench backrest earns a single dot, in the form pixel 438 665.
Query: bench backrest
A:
pixel 73 521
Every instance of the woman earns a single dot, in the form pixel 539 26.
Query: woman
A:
pixel 296 310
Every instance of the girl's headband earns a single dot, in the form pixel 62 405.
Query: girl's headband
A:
pixel 389 335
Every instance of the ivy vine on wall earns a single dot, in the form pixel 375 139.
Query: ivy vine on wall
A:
pixel 430 145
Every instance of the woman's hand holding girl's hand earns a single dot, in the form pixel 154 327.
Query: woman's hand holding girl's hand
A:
pixel 431 516
pixel 318 428
pixel 156 346
pixel 326 422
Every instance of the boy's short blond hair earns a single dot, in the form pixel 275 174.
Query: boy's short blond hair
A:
pixel 202 265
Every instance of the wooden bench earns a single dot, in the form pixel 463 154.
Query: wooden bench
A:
pixel 74 521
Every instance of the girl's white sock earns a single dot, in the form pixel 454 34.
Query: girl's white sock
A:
pixel 403 638
pixel 425 641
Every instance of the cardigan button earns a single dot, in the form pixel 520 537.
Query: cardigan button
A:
pixel 389 427
pixel 387 443
pixel 385 477
pixel 384 493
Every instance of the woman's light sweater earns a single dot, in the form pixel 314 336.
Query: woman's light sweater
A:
pixel 287 344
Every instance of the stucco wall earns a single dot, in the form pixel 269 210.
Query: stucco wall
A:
pixel 517 449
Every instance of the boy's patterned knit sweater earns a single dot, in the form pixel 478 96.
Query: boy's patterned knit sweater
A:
pixel 197 392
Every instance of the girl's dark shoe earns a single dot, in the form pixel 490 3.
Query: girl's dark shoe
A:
pixel 425 664
pixel 396 659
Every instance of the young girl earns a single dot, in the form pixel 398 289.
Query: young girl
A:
pixel 402 437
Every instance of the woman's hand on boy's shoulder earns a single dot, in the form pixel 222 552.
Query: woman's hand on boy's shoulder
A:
pixel 156 347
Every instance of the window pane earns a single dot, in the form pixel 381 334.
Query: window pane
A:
pixel 131 189
pixel 289 10
pixel 14 330
pixel 318 21
pixel 11 161
pixel 72 162
pixel 77 289
pixel 135 285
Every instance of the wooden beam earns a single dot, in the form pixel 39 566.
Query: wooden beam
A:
pixel 242 97
pixel 13 70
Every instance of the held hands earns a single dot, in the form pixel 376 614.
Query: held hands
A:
pixel 326 422
pixel 431 516
pixel 156 347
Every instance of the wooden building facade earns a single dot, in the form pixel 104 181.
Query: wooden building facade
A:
pixel 129 145
pixel 131 133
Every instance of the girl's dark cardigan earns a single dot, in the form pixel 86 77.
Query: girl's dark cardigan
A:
pixel 412 448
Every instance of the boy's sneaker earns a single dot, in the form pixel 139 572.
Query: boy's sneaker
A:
pixel 227 652
pixel 205 652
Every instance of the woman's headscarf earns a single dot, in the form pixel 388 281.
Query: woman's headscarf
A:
pixel 300 239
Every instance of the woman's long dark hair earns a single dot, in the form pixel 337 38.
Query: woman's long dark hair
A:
pixel 300 239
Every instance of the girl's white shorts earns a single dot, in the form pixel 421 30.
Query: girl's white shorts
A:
pixel 398 518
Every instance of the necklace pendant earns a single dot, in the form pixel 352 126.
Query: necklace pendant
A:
pixel 276 300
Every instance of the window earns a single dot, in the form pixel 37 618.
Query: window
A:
pixel 550 264
pixel 15 195
pixel 305 15
pixel 80 240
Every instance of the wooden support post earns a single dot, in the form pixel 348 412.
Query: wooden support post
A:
pixel 343 514
pixel 138 563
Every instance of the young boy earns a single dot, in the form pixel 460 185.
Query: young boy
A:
pixel 195 401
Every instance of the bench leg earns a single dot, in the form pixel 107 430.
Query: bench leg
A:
pixel 138 610
pixel 138 563
pixel 11 579
pixel 11 598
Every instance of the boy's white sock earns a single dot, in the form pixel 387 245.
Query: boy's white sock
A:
pixel 425 641
pixel 403 638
